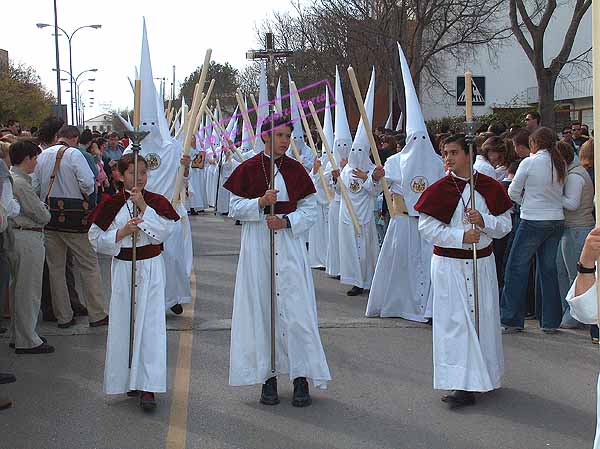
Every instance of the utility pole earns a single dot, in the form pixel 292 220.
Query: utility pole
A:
pixel 58 97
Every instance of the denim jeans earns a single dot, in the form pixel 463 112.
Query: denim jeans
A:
pixel 539 238
pixel 569 250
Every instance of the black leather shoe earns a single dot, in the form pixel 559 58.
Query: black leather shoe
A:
pixel 99 323
pixel 177 309
pixel 147 401
pixel 459 398
pixel 6 378
pixel 12 345
pixel 73 322
pixel 44 348
pixel 269 395
pixel 301 396
pixel 355 291
pixel 133 393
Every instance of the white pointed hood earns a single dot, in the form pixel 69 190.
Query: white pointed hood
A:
pixel 389 123
pixel 399 124
pixel 327 127
pixel 342 140
pixel 297 133
pixel 263 107
pixel 152 117
pixel 419 165
pixel 200 134
pixel 232 126
pixel 361 149
pixel 128 126
pixel 278 101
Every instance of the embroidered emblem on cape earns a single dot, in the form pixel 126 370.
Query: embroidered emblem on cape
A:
pixel 153 161
pixel 418 184
pixel 354 186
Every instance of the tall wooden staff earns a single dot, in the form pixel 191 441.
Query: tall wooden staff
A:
pixel 270 54
pixel 596 60
pixel 136 137
pixel 247 122
pixel 470 139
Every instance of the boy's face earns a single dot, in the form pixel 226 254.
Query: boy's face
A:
pixel 281 142
pixel 455 157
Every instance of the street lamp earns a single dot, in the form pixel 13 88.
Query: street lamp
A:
pixel 74 90
pixel 69 38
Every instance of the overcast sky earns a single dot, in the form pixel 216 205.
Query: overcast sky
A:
pixel 179 32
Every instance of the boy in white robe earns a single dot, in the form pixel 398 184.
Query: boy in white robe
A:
pixel 299 351
pixel 464 361
pixel 112 233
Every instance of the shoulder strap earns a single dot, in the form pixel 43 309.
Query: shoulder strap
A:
pixel 59 155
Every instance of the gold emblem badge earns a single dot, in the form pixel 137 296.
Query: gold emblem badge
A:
pixel 418 184
pixel 355 186
pixel 153 161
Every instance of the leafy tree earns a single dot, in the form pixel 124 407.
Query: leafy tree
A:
pixel 226 83
pixel 23 97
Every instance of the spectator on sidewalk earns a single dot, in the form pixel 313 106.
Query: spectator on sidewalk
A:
pixel 538 187
pixel 28 254
pixel 73 180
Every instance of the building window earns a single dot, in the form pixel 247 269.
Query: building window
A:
pixel 94 127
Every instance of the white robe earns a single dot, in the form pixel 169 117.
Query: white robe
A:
pixel 318 234
pixel 299 351
pixel 149 362
pixel 222 200
pixel 358 253
pixel 402 282
pixel 210 184
pixel 197 199
pixel 179 258
pixel 461 361
pixel 584 308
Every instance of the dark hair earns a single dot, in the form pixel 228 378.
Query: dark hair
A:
pixel 513 166
pixel 21 149
pixel 497 128
pixel 69 132
pixel 586 154
pixel 99 141
pixel 566 128
pixel 536 115
pixel 86 137
pixel 566 150
pixel 278 122
pixel 458 139
pixel 112 134
pixel 390 140
pixel 545 139
pixel 49 128
pixel 126 160
pixel 497 145
pixel 521 137
pixel 11 122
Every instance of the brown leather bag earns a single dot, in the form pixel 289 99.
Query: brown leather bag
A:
pixel 67 214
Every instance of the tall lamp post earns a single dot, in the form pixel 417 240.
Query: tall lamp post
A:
pixel 70 38
pixel 74 90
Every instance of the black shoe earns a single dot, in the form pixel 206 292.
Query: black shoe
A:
pixel 3 330
pixel 147 401
pixel 337 278
pixel 355 291
pixel 269 395
pixel 73 322
pixel 133 393
pixel 12 345
pixel 49 318
pixel 320 268
pixel 44 348
pixel 6 378
pixel 193 212
pixel 177 309
pixel 301 396
pixel 238 223
pixel 459 398
pixel 99 323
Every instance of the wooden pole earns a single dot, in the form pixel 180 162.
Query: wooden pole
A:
pixel 334 166
pixel 311 142
pixel 137 103
pixel 175 121
pixel 596 72
pixel 369 131
pixel 247 122
pixel 223 132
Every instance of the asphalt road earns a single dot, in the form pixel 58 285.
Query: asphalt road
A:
pixel 380 397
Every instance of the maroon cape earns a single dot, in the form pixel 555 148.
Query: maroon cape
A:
pixel 441 198
pixel 106 211
pixel 251 180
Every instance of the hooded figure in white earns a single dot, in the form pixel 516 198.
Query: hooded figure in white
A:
pixel 163 154
pixel 342 142
pixel 148 371
pixel 358 252
pixel 402 282
pixel 226 164
pixel 318 235
pixel 246 144
pixel 306 154
pixel 197 192
pixel 263 108
pixel 211 161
